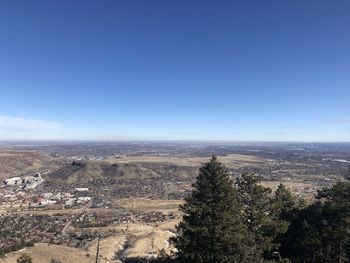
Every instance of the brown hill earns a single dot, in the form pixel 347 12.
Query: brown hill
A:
pixel 18 163
pixel 99 169
pixel 145 167
pixel 43 253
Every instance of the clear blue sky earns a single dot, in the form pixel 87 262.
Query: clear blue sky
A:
pixel 182 70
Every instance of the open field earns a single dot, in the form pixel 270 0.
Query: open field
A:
pixel 124 204
pixel 231 160
pixel 146 205
pixel 43 253
pixel 109 247
pixel 134 240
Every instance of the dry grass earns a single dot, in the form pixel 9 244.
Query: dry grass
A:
pixel 43 253
pixel 147 205
pixel 142 239
pixel 108 247
pixel 231 160
pixel 149 167
pixel 18 163
pixel 294 186
pixel 151 243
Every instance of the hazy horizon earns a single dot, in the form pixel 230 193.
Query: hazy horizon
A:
pixel 175 141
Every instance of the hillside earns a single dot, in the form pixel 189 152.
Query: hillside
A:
pixel 21 162
pixel 145 167
pixel 97 169
pixel 43 253
pixel 18 163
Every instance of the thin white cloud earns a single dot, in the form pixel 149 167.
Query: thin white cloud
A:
pixel 18 123
pixel 339 120
pixel 343 120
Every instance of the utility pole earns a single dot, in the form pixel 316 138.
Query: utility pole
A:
pixel 339 174
pixel 98 246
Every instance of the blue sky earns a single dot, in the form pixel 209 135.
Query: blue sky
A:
pixel 179 70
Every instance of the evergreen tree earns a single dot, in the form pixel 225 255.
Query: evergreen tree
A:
pixel 211 230
pixel 347 174
pixel 260 217
pixel 288 207
pixel 321 232
pixel 337 217
pixel 286 204
pixel 305 241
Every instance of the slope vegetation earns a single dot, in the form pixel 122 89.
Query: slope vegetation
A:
pixel 145 167
pixel 43 253
pixel 18 163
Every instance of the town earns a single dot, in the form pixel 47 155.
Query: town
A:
pixel 75 196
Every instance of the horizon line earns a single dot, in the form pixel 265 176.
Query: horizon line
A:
pixel 169 141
